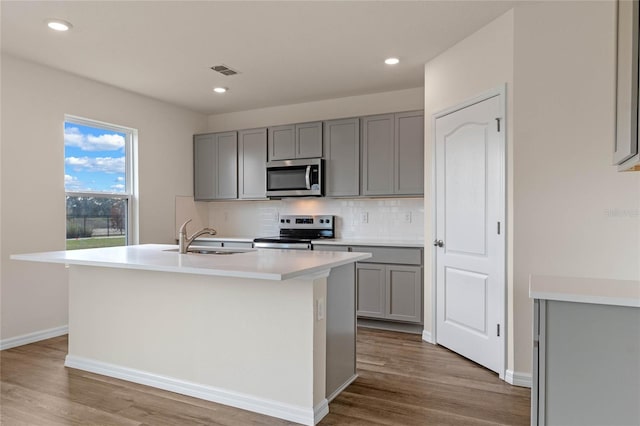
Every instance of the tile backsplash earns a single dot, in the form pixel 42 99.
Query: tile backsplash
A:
pixel 382 219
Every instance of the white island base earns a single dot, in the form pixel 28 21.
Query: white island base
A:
pixel 267 331
pixel 252 344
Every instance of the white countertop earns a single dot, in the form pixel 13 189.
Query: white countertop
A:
pixel 585 290
pixel 369 242
pixel 261 264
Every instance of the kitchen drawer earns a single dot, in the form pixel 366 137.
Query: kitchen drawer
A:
pixel 236 244
pixel 396 255
pixel 328 247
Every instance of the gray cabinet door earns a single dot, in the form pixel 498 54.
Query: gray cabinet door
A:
pixel 342 157
pixel 370 280
pixel 227 165
pixel 309 140
pixel 205 183
pixel 252 157
pixel 377 155
pixel 282 142
pixel 404 293
pixel 409 153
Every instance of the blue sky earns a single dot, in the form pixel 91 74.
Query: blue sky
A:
pixel 94 159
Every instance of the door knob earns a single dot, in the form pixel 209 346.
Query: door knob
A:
pixel 438 243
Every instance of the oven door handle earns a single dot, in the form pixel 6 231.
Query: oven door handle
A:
pixel 307 177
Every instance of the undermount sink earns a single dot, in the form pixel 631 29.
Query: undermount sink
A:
pixel 212 250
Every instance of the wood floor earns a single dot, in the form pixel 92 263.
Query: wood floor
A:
pixel 402 381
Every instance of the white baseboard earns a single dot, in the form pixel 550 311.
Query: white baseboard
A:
pixel 518 379
pixel 426 336
pixel 306 416
pixel 25 339
pixel 342 387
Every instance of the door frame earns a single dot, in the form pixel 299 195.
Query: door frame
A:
pixel 501 92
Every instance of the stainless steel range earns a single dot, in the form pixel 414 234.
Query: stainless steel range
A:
pixel 297 232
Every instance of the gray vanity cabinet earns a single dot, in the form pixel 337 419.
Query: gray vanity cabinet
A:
pixel 215 166
pixel 341 147
pixel 252 157
pixel 293 141
pixel 393 154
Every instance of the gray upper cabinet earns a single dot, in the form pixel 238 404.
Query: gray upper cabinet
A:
pixel 252 157
pixel 215 166
pixel 282 142
pixel 292 141
pixel 309 140
pixel 393 154
pixel 342 157
pixel 626 153
pixel 205 175
pixel 409 153
pixel 377 155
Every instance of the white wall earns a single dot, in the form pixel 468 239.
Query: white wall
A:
pixel 448 82
pixel 570 212
pixel 353 106
pixel 574 214
pixel 34 101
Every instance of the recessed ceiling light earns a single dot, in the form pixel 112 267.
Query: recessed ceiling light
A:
pixel 391 61
pixel 59 25
pixel 219 89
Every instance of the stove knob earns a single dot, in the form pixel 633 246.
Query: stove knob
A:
pixel 281 220
pixel 327 221
pixel 321 220
pixel 288 221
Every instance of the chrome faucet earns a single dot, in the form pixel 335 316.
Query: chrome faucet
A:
pixel 184 241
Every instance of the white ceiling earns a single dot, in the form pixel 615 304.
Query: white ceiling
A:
pixel 287 52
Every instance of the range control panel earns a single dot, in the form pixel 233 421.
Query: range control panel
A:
pixel 307 222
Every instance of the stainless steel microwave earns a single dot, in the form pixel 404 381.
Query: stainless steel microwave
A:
pixel 295 178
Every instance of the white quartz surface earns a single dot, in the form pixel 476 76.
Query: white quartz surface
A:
pixel 368 242
pixel 585 290
pixel 261 264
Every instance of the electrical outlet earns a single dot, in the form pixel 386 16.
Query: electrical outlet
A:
pixel 406 217
pixel 320 309
pixel 364 217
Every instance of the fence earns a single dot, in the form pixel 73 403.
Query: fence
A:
pixel 95 226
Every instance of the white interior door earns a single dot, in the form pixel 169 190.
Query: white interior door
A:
pixel 470 243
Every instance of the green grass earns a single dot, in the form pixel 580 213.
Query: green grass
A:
pixel 84 243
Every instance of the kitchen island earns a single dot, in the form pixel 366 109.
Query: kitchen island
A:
pixel 268 331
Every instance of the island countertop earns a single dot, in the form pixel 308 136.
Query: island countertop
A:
pixel 268 264
pixel 585 290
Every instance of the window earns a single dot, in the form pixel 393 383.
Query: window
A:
pixel 99 180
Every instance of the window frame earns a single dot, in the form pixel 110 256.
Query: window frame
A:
pixel 131 173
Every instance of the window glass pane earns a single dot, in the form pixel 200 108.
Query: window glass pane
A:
pixel 94 159
pixel 96 222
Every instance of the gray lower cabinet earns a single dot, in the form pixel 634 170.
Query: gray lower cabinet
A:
pixel 223 243
pixel 252 157
pixel 391 292
pixel 586 364
pixel 371 279
pixel 341 146
pixel 293 141
pixel 389 284
pixel 393 154
pixel 215 166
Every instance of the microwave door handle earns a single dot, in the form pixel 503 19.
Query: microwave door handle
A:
pixel 307 177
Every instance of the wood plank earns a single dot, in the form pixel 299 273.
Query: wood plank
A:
pixel 402 380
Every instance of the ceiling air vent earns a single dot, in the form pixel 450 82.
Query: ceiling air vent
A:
pixel 225 70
